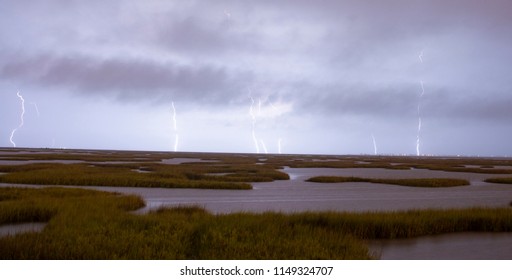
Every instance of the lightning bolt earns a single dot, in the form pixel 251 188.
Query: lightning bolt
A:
pixel 264 146
pixel 253 118
pixel 374 145
pixel 279 141
pixel 21 118
pixel 261 109
pixel 37 109
pixel 175 127
pixel 418 136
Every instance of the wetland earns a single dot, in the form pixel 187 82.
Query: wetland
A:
pixel 243 206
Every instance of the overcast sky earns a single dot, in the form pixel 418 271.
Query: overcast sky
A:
pixel 296 76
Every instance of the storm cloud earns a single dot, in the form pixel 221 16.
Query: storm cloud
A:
pixel 122 76
pixel 349 62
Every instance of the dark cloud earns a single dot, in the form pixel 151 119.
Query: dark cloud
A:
pixel 357 101
pixel 124 77
pixel 472 108
pixel 402 101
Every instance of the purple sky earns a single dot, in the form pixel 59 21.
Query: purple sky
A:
pixel 325 76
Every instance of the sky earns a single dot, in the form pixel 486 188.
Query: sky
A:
pixel 413 77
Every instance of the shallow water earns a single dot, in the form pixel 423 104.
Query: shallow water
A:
pixel 185 160
pixel 140 171
pixel 453 246
pixel 13 229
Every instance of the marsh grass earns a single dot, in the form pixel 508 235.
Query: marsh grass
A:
pixel 419 182
pixel 236 171
pixel 162 176
pixel 86 224
pixel 499 180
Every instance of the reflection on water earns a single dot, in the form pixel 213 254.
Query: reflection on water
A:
pixel 453 246
pixel 21 228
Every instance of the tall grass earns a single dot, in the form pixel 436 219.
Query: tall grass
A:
pixel 107 175
pixel 419 182
pixel 85 224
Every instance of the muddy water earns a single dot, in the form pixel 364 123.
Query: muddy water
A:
pixel 453 246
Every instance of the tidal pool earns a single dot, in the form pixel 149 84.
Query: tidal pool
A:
pixel 13 229
pixel 185 160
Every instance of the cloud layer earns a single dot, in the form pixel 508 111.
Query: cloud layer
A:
pixel 346 60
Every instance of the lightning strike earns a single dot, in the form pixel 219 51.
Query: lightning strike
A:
pixel 418 136
pixel 21 119
pixel 279 141
pixel 176 140
pixel 264 147
pixel 37 109
pixel 175 127
pixel 253 118
pixel 374 145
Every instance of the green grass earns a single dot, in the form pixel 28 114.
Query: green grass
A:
pixel 499 180
pixel 420 182
pixel 226 172
pixel 18 205
pixel 163 176
pixel 86 224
